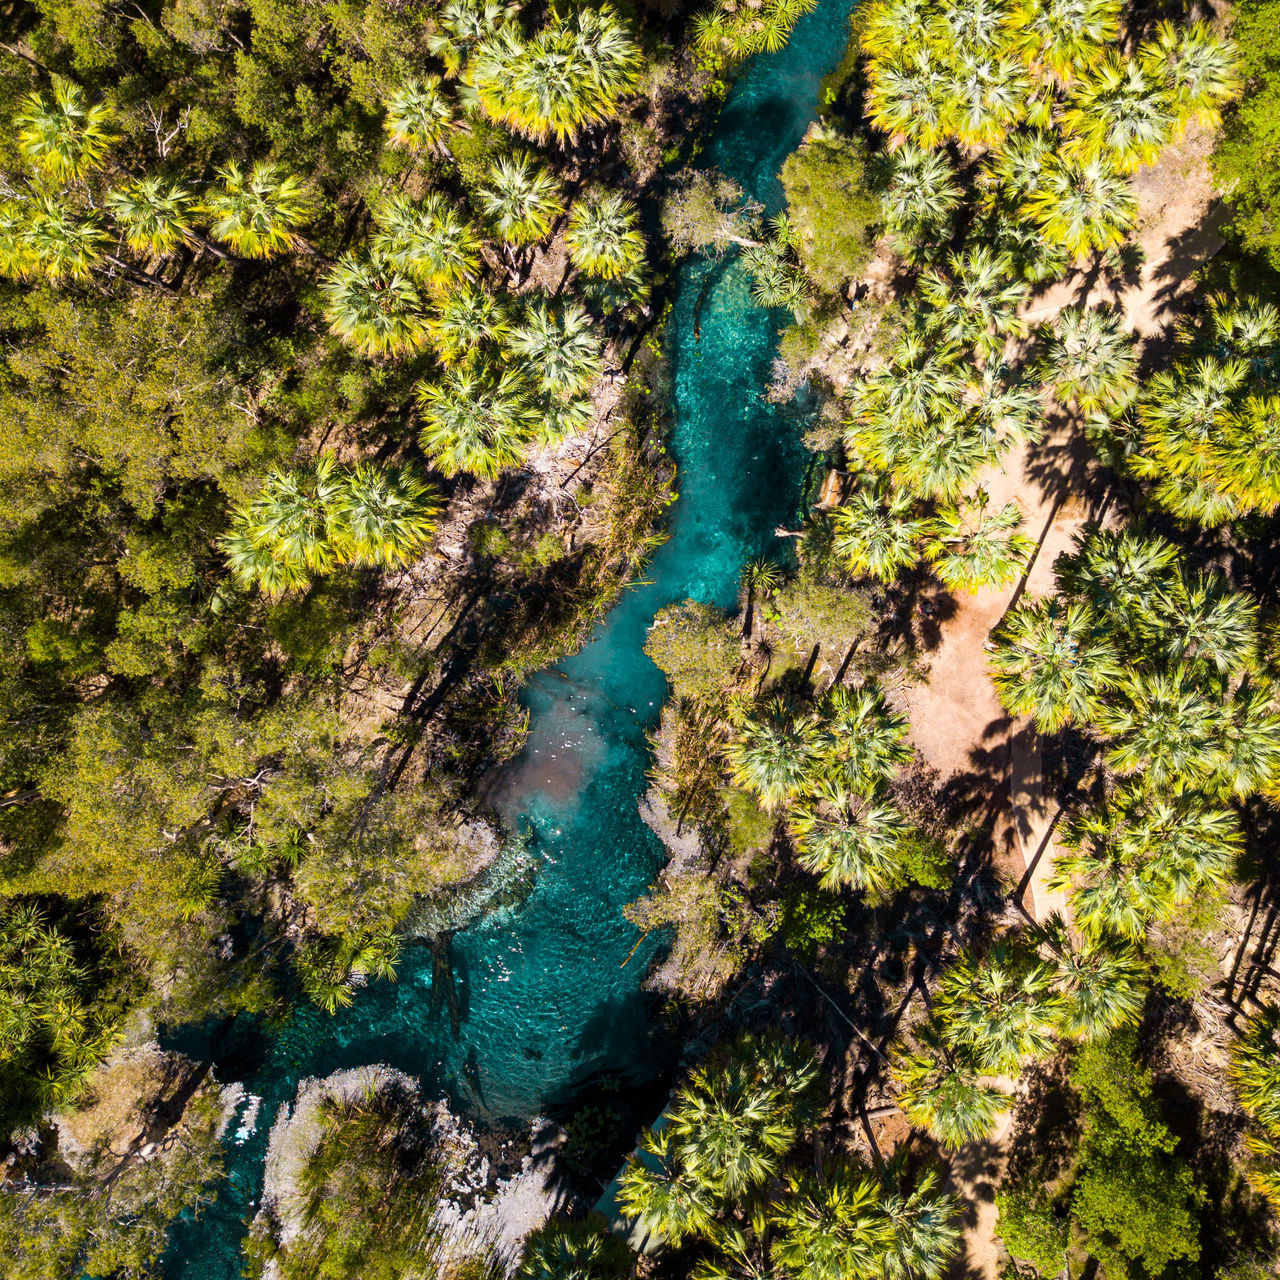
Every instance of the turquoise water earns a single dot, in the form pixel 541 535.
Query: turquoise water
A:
pixel 545 1003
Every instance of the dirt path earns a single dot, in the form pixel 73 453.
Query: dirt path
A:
pixel 957 722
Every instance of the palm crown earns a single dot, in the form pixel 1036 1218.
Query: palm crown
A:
pixel 374 307
pixel 603 237
pixel 257 214
pixel 155 215
pixel 522 199
pixel 64 136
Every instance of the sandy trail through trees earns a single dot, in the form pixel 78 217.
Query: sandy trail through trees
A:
pixel 957 722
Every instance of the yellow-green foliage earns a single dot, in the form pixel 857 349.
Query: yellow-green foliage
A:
pixel 831 208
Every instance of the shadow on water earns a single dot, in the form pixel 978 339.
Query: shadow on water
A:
pixel 541 1010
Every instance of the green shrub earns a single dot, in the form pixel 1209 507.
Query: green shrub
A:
pixel 832 208
pixel 924 860
pixel 694 646
pixel 749 827
pixel 1246 163
pixel 1032 1227
pixel 489 540
pixel 1133 1197
pixel 810 920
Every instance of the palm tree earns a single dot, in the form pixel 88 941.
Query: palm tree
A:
pixel 1197 68
pixel 1251 748
pixel 461 25
pixel 777 280
pixel 1109 898
pixel 569 75
pixel 943 1094
pixel 282 537
pixel 728 31
pixel 909 94
pixel 469 323
pixel 1100 984
pixel 1087 358
pixel 759 577
pixel 574 1250
pixel 603 236
pixel 1000 1007
pixel 832 1228
pixel 971 548
pixel 922 193
pixel 885 26
pixel 1199 620
pixel 1004 408
pixel 382 516
pixel 877 535
pixel 559 419
pixel 522 199
pixel 1049 662
pixel 734 1121
pixel 374 307
pixel 16 258
pixel 430 241
pixel 865 741
pixel 925 1223
pixel 253 565
pixel 1119 113
pixel 477 420
pixel 660 1195
pixel 1262 1170
pixel 1185 412
pixel 558 348
pixel 419 115
pixel 1163 726
pixel 1246 460
pixel 1133 859
pixel 775 753
pixel 155 215
pixel 1065 37
pixel 988 94
pixel 1085 207
pixel 1120 576
pixel 64 137
pixel 977 28
pixel 919 386
pixel 1255 1068
pixel 858 849
pixel 722 1137
pixel 257 214
pixel 740 1255
pixel 1249 329
pixel 1018 169
pixel 942 460
pixel 1004 228
pixel 61 243
pixel 976 304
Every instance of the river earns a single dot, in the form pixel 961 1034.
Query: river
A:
pixel 545 1003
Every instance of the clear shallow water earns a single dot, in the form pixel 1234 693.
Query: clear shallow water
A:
pixel 545 1005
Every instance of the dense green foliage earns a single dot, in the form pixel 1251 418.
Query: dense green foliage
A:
pixel 1122 1197
pixel 1247 159
pixel 63 992
pixel 581 1250
pixel 269 297
pixel 1210 425
pixel 704 1174
pixel 109 1214
pixel 1169 669
pixel 831 208
pixel 280 326
pixel 366 1197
